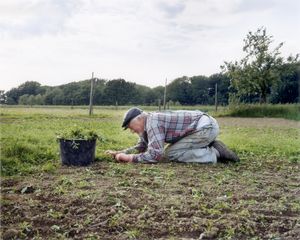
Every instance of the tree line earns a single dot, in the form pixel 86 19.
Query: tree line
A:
pixel 181 91
pixel 261 76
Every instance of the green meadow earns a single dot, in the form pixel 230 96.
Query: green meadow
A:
pixel 255 199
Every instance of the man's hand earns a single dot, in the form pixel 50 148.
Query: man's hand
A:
pixel 120 156
pixel 125 158
pixel 112 153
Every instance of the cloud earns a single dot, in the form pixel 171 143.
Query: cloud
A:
pixel 55 41
pixel 254 5
pixel 33 18
pixel 172 8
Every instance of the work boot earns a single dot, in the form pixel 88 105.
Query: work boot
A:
pixel 225 154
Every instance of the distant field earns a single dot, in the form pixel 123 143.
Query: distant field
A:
pixel 288 111
pixel 205 108
pixel 256 199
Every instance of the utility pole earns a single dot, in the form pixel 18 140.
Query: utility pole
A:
pixel 216 96
pixel 159 105
pixel 165 95
pixel 91 94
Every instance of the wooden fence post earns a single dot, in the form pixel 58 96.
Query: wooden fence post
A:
pixel 91 95
pixel 216 96
pixel 159 105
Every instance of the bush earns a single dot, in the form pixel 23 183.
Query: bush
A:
pixel 288 111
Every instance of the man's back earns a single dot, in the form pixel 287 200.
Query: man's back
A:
pixel 172 125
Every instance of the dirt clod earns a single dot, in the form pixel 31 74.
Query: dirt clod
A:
pixel 10 234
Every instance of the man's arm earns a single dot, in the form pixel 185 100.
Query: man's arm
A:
pixel 155 149
pixel 125 158
pixel 153 154
pixel 140 147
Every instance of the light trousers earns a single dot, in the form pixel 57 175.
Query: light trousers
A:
pixel 195 147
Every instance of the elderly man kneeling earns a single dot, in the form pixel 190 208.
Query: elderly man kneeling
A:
pixel 191 136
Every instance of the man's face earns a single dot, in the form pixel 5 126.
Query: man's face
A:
pixel 136 126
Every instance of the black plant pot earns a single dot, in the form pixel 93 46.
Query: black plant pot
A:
pixel 77 152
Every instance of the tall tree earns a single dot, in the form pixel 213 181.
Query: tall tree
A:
pixel 200 89
pixel 99 91
pixel 287 90
pixel 3 97
pixel 24 99
pixel 180 90
pixel 54 96
pixel 260 69
pixel 157 94
pixel 144 95
pixel 223 88
pixel 119 91
pixel 13 96
pixel 29 88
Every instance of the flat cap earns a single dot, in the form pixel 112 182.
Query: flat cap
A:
pixel 129 115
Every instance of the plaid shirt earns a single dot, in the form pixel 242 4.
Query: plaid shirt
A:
pixel 161 128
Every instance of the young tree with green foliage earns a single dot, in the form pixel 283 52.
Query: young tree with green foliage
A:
pixel 260 69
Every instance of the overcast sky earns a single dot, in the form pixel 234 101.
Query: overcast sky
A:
pixel 143 41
